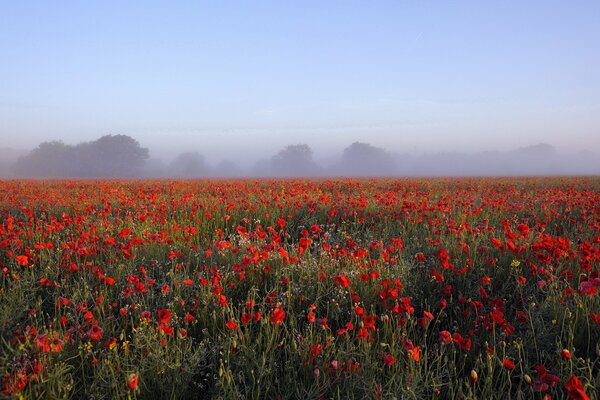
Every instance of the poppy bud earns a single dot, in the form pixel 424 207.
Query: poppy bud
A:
pixel 473 376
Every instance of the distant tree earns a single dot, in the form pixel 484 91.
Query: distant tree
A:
pixel 227 169
pixel 294 160
pixel 540 149
pixel 49 159
pixel 189 165
pixel 112 156
pixel 261 168
pixel 109 156
pixel 363 159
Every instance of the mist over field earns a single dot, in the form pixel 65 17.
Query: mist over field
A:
pixel 196 89
pixel 121 156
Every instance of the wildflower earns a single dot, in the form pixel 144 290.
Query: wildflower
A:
pixel 145 316
pixel 369 322
pixel 166 329
pixel 415 353
pixel 508 364
pixel 111 344
pixel 342 281
pixel 315 350
pixel 389 360
pixel 362 334
pixel 588 288
pixel 132 381
pixel 277 316
pixel 95 333
pixel 22 260
pixel 575 389
pixel 231 325
pixel 445 337
pixel 164 316
pixel 188 318
pixel 246 318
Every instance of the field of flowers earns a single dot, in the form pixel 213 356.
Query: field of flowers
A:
pixel 303 289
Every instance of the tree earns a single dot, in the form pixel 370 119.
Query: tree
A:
pixel 189 165
pixel 112 156
pixel 363 159
pixel 109 156
pixel 49 159
pixel 294 160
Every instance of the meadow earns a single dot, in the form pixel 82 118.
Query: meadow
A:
pixel 476 288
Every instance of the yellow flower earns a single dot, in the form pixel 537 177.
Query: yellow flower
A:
pixel 515 263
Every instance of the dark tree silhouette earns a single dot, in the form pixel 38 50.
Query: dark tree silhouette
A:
pixel 114 156
pixel 49 159
pixel 294 160
pixel 189 165
pixel 110 156
pixel 363 159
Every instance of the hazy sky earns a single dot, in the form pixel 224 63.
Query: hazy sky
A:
pixel 248 77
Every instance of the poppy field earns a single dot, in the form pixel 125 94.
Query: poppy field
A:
pixel 474 288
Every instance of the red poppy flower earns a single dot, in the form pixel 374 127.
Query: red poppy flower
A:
pixel 277 316
pixel 415 353
pixel 164 316
pixel 389 360
pixel 362 333
pixel 188 318
pixel 508 364
pixel 132 381
pixel 315 350
pixel 575 389
pixel 246 318
pixel 166 329
pixel 445 337
pixel 22 260
pixel 95 333
pixel 231 325
pixel 342 281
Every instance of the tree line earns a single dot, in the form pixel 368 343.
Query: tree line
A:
pixel 109 156
pixel 120 156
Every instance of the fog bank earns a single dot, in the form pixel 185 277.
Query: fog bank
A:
pixel 120 156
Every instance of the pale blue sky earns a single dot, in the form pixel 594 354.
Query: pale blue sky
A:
pixel 247 77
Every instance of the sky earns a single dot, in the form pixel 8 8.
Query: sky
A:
pixel 242 79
